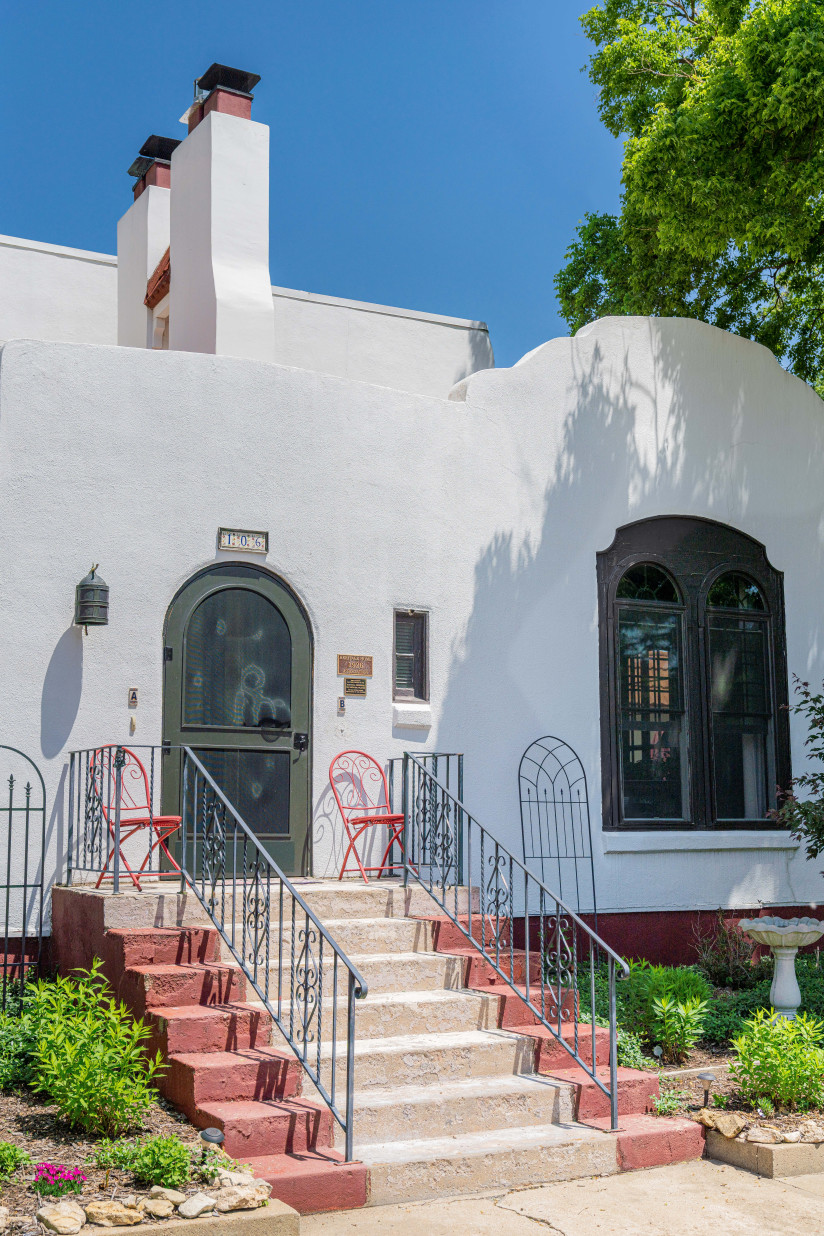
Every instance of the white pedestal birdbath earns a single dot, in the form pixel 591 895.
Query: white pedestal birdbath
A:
pixel 785 936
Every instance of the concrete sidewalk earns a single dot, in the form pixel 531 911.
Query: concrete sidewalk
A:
pixel 689 1199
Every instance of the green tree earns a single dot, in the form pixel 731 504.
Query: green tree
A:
pixel 721 107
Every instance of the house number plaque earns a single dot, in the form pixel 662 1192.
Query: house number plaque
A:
pixel 242 538
pixel 358 666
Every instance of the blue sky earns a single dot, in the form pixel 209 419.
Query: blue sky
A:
pixel 435 155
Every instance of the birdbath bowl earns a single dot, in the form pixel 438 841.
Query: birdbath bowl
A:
pixel 785 936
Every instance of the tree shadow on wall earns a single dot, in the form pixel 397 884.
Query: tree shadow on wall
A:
pixel 639 440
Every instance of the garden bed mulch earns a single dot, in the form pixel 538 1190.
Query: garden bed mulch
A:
pixel 35 1126
pixel 689 1091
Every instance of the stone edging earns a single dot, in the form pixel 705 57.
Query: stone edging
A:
pixel 764 1159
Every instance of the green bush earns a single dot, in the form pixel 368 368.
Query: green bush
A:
pixel 89 1054
pixel 647 983
pixel 678 1025
pixel 723 1019
pixel 780 1062
pixel 11 1157
pixel 726 956
pixel 630 1055
pixel 16 1044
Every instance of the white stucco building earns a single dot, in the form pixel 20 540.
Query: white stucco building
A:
pixel 618 541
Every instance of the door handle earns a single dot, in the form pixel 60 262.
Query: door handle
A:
pixel 300 742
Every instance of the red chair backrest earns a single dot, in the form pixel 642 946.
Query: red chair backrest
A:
pixel 359 785
pixel 134 792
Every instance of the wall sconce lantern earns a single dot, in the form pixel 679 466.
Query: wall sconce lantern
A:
pixel 91 601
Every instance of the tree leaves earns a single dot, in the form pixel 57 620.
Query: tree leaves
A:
pixel 721 104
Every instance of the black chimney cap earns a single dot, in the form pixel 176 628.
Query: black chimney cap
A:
pixel 159 147
pixel 233 79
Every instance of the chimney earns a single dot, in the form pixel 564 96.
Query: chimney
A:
pixel 221 291
pixel 142 239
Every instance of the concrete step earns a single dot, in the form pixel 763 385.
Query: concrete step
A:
pixel 314 1180
pixel 637 1089
pixel 514 1011
pixel 262 1073
pixel 351 898
pixel 154 987
pixel 147 946
pixel 382 935
pixel 409 1171
pixel 654 1141
pixel 268 1127
pixel 469 1105
pixel 429 1059
pixel 383 972
pixel 394 1013
pixel 551 1055
pixel 209 1028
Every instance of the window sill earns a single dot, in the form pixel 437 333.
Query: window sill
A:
pixel 412 715
pixel 720 839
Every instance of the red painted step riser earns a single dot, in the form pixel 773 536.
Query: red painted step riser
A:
pixel 338 1187
pixel 551 1055
pixel 480 974
pixel 190 1087
pixel 217 1030
pixel 449 937
pixel 639 1150
pixel 178 985
pixel 155 947
pixel 634 1098
pixel 278 1133
pixel 514 1011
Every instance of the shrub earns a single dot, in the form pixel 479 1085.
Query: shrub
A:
pixel 16 1043
pixel 53 1180
pixel 723 1019
pixel 157 1160
pixel 89 1054
pixel 805 817
pixel 648 983
pixel 630 1055
pixel 780 1062
pixel 11 1157
pixel 725 955
pixel 677 1025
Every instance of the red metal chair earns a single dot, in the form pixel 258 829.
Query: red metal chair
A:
pixel 359 785
pixel 135 808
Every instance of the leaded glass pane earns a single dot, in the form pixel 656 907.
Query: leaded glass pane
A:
pixel 735 591
pixel 652 729
pixel 238 662
pixel 647 582
pixel 739 691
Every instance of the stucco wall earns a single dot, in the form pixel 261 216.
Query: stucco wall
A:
pixel 69 295
pixel 50 292
pixel 487 509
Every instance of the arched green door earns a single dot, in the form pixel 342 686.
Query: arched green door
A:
pixel 237 690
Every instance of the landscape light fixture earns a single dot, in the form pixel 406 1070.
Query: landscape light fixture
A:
pixel 210 1137
pixel 707 1079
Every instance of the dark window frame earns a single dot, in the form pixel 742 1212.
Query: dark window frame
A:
pixel 404 693
pixel 695 552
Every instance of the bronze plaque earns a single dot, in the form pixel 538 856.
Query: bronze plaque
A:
pixel 349 664
pixel 355 686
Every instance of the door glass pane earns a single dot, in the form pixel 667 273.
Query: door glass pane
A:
pixel 741 716
pixel 238 662
pixel 256 783
pixel 652 727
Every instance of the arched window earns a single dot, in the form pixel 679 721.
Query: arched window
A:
pixel 693 672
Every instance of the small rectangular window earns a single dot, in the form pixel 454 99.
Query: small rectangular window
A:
pixel 411 671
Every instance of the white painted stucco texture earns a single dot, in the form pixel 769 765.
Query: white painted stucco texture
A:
pixel 486 509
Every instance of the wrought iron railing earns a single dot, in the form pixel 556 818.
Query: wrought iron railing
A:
pixel 22 875
pixel 305 980
pixel 529 937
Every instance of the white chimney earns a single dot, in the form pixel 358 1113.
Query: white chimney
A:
pixel 221 290
pixel 142 240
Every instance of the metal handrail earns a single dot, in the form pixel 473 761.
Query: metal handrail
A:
pixel 440 838
pixel 29 902
pixel 231 874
